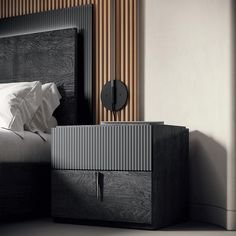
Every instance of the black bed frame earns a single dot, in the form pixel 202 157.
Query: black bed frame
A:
pixel 34 29
pixel 46 57
pixel 53 46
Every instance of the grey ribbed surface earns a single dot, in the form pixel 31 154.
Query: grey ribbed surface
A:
pixel 106 147
pixel 76 17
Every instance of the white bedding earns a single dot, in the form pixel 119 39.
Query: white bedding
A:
pixel 31 149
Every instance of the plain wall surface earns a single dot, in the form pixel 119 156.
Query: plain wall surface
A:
pixel 187 78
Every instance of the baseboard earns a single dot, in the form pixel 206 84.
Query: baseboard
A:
pixel 210 214
pixel 231 220
pixel 214 215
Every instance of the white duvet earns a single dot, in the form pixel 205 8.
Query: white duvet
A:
pixel 31 148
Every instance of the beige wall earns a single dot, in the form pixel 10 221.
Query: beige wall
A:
pixel 186 55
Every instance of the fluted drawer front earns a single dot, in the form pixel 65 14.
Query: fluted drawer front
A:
pixel 104 147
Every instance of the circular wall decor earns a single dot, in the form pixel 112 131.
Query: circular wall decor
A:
pixel 114 95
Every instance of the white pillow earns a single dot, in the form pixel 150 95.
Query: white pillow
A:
pixel 42 118
pixel 18 103
pixel 52 123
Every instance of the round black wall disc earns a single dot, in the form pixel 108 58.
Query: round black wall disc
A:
pixel 114 95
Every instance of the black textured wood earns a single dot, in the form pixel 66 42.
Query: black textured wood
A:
pixel 80 18
pixel 24 190
pixel 46 57
pixel 126 196
pixel 170 176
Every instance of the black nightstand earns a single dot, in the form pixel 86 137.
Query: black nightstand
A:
pixel 128 175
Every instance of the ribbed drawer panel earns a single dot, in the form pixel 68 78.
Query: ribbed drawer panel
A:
pixel 106 147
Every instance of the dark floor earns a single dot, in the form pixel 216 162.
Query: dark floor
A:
pixel 47 227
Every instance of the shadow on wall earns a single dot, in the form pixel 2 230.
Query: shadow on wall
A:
pixel 208 174
pixel 208 158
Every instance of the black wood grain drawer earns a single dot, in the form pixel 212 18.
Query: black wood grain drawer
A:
pixel 123 196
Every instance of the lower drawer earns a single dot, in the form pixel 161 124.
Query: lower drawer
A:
pixel 117 196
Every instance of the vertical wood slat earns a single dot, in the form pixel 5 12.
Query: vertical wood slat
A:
pixel 101 62
pixel 131 105
pixel 117 47
pixel 97 41
pixel 122 49
pixel 105 48
pixel 126 20
pixel 126 44
pixel 136 61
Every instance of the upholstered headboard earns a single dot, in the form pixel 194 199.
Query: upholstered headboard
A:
pixel 53 46
pixel 46 57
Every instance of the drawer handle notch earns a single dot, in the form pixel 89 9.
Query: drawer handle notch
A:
pixel 99 185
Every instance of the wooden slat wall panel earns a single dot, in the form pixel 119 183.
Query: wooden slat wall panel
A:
pixel 126 44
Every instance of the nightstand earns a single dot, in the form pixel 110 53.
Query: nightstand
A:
pixel 128 175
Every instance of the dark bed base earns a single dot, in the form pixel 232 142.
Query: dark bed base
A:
pixel 24 190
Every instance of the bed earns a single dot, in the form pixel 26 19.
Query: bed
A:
pixel 24 175
pixel 50 56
